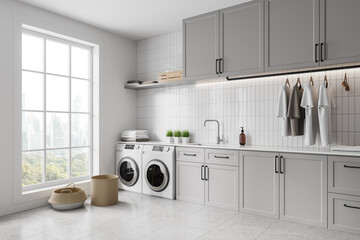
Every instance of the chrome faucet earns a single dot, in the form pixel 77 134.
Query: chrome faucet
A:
pixel 219 140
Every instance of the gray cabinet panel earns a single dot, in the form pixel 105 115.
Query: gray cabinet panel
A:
pixel 344 214
pixel 339 31
pixel 242 38
pixel 344 175
pixel 259 184
pixel 189 185
pixel 291 32
pixel 201 36
pixel 303 189
pixel 221 186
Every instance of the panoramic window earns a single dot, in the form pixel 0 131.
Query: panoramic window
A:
pixel 56 110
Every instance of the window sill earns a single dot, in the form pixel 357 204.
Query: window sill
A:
pixel 45 193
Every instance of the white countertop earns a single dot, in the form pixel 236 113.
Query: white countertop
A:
pixel 253 148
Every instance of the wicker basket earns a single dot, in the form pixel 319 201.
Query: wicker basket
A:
pixel 104 190
pixel 67 198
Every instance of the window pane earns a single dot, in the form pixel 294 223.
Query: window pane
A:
pixel 79 162
pixel 57 93
pixel 79 95
pixel 57 57
pixel 57 164
pixel 32 91
pixel 57 130
pixel 80 62
pixel 80 130
pixel 32 52
pixel 32 130
pixel 32 168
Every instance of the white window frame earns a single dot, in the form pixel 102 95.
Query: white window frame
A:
pixel 45 184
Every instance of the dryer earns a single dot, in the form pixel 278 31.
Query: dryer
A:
pixel 129 167
pixel 159 171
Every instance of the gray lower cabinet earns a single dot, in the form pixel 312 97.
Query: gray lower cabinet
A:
pixel 213 184
pixel 340 36
pixel 344 212
pixel 344 193
pixel 201 36
pixel 291 34
pixel 221 186
pixel 259 184
pixel 242 39
pixel 286 186
pixel 303 188
pixel 189 183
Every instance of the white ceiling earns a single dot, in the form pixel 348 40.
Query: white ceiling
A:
pixel 136 19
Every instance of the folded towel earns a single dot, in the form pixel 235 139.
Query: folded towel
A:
pixel 134 132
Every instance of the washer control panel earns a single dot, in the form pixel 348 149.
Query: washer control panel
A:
pixel 158 149
pixel 130 147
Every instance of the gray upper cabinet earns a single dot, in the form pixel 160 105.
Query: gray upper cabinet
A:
pixel 340 37
pixel 271 36
pixel 242 39
pixel 201 46
pixel 291 34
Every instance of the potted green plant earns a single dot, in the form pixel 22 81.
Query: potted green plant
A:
pixel 177 137
pixel 185 136
pixel 169 136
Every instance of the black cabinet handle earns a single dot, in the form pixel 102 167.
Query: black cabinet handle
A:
pixel 281 171
pixel 346 166
pixel 190 155
pixel 322 52
pixel 221 68
pixel 202 172
pixel 206 178
pixel 276 159
pixel 216 66
pixel 348 206
pixel 316 52
pixel 227 157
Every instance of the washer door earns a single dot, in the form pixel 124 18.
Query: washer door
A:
pixel 156 175
pixel 128 171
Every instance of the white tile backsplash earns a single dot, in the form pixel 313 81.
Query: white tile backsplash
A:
pixel 251 103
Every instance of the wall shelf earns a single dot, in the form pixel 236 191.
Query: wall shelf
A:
pixel 155 85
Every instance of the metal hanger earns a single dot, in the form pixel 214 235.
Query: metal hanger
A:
pixel 298 83
pixel 311 80
pixel 287 82
pixel 326 81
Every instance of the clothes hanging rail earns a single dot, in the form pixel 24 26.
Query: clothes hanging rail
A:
pixel 291 72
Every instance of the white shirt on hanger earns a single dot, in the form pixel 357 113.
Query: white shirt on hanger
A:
pixel 325 104
pixel 309 102
pixel 282 110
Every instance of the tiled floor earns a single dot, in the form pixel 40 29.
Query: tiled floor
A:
pixel 139 216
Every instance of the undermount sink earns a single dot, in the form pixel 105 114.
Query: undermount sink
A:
pixel 208 144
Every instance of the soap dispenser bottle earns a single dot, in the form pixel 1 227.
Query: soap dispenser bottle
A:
pixel 242 137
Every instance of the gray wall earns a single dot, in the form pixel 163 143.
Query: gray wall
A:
pixel 116 106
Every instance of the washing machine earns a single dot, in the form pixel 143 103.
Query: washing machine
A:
pixel 159 171
pixel 129 167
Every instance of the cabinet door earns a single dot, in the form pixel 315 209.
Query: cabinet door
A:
pixel 303 188
pixel 344 175
pixel 259 183
pixel 344 213
pixel 339 34
pixel 291 34
pixel 242 38
pixel 201 38
pixel 189 183
pixel 221 186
